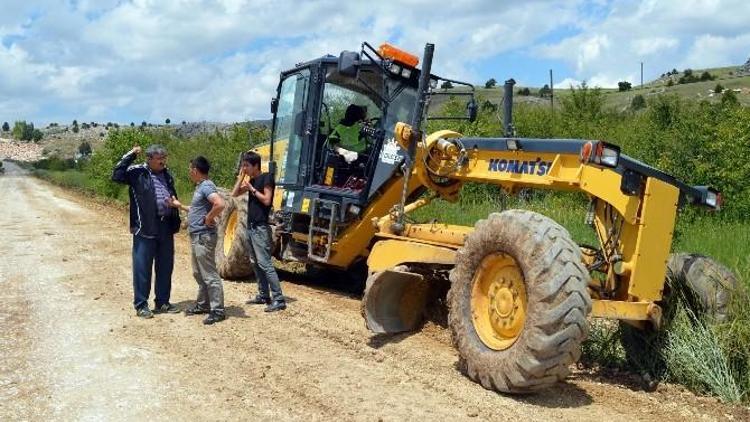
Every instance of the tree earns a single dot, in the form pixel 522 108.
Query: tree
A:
pixel 624 86
pixel 6 127
pixel 37 135
pixel 706 76
pixel 143 123
pixel 674 71
pixel 75 122
pixel 638 102
pixel 545 91
pixel 524 91
pixel 718 89
pixel 446 85
pixel 25 131
pixel 490 83
pixel 167 121
pixel 670 82
pixel 132 124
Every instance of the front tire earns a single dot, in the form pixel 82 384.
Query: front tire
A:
pixel 518 302
pixel 233 246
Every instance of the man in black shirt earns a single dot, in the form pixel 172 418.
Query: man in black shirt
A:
pixel 260 188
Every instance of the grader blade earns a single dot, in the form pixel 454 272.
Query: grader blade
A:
pixel 394 301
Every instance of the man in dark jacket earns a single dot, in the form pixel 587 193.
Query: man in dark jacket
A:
pixel 154 219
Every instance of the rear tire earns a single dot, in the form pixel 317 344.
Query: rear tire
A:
pixel 233 246
pixel 706 285
pixel 557 303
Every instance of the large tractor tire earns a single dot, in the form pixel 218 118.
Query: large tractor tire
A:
pixel 707 288
pixel 518 302
pixel 233 246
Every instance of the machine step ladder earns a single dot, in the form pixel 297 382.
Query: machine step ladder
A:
pixel 323 218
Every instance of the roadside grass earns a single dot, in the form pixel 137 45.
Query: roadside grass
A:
pixel 74 179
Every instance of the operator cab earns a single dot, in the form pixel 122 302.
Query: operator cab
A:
pixel 316 183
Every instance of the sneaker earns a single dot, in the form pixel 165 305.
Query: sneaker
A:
pixel 214 317
pixel 257 300
pixel 166 308
pixel 144 313
pixel 276 306
pixel 196 310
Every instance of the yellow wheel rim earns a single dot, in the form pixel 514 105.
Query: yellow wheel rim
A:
pixel 229 232
pixel 498 301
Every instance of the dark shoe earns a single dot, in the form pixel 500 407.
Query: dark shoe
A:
pixel 196 310
pixel 167 308
pixel 257 300
pixel 276 306
pixel 144 313
pixel 214 317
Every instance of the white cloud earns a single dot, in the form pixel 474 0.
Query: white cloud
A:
pixel 713 51
pixel 652 45
pixel 567 83
pixel 220 59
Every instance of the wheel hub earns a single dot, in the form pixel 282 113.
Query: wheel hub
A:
pixel 498 301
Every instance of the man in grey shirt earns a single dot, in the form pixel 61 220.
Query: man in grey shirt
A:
pixel 205 207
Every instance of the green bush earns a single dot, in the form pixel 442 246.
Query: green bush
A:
pixel 55 164
pixel 638 102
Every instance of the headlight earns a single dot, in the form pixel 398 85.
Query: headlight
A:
pixel 395 68
pixel 712 199
pixel 610 157
pixel 601 153
pixel 406 72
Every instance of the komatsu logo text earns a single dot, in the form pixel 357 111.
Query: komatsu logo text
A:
pixel 537 167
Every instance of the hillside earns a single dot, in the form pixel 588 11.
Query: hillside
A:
pixel 736 78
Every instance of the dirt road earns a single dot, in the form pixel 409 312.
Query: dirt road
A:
pixel 71 347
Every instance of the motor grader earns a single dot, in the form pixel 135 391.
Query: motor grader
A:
pixel 520 289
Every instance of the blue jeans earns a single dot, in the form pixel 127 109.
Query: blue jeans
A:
pixel 157 253
pixel 260 242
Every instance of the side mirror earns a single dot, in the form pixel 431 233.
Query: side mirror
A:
pixel 471 109
pixel 349 63
pixel 274 105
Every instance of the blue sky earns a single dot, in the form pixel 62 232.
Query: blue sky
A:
pixel 219 60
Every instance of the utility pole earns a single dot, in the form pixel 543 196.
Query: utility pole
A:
pixel 551 92
pixel 641 75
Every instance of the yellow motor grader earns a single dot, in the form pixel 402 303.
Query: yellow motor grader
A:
pixel 520 289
